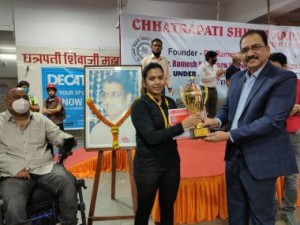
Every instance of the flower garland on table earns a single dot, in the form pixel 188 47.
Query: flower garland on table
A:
pixel 114 127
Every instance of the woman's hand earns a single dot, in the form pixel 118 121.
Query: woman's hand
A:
pixel 191 120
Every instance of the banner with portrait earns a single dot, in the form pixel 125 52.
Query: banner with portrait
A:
pixel 109 93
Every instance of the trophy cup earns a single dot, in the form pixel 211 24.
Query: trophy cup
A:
pixel 194 99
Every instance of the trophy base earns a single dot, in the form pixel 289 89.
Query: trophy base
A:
pixel 199 132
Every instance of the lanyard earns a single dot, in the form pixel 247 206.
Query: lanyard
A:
pixel 161 110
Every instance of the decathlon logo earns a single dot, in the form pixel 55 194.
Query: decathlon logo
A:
pixel 141 47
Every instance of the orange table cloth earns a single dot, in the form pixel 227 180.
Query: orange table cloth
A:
pixel 202 191
pixel 87 168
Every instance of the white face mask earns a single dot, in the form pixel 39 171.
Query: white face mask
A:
pixel 21 106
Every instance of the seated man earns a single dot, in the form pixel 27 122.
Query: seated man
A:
pixel 25 161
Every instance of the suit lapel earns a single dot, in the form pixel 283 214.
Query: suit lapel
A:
pixel 257 84
pixel 237 91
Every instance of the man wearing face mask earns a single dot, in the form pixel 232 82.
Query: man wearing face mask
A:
pixel 34 105
pixel 25 161
pixel 209 77
pixel 156 47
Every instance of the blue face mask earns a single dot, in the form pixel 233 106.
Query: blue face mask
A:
pixel 26 90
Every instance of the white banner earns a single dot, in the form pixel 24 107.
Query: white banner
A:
pixel 186 41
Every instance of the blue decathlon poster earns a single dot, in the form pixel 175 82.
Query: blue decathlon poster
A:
pixel 69 84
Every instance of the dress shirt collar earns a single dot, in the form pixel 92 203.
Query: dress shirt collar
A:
pixel 154 57
pixel 8 116
pixel 207 64
pixel 256 73
pixel 211 66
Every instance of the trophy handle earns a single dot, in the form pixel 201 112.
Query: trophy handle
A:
pixel 204 97
pixel 182 95
pixel 205 94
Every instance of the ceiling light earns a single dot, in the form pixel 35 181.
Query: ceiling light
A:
pixel 8 48
pixel 8 56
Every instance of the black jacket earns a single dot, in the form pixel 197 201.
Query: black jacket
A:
pixel 156 150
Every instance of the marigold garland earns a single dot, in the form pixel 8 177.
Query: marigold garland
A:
pixel 114 127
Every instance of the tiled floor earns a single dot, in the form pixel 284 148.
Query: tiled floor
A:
pixel 107 207
pixel 123 203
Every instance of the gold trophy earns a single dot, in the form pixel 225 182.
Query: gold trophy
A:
pixel 194 99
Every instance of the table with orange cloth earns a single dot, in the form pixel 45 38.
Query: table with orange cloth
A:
pixel 202 191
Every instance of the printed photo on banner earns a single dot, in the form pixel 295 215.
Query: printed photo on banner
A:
pixel 69 85
pixel 109 93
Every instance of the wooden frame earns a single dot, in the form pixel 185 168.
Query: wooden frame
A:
pixel 108 88
pixel 112 90
pixel 92 217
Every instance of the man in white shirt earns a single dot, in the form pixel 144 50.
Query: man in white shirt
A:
pixel 156 46
pixel 209 77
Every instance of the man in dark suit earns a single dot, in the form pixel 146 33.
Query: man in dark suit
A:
pixel 258 147
pixel 233 68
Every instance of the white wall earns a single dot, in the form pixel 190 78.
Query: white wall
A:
pixel 66 23
pixel 171 9
pixel 245 10
pixel 88 25
pixel 6 15
pixel 8 68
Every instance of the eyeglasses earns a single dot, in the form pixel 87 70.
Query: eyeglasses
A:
pixel 255 48
pixel 111 95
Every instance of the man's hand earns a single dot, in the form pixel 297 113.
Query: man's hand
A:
pixel 171 92
pixel 48 111
pixel 217 136
pixel 23 174
pixel 295 111
pixel 220 72
pixel 210 123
